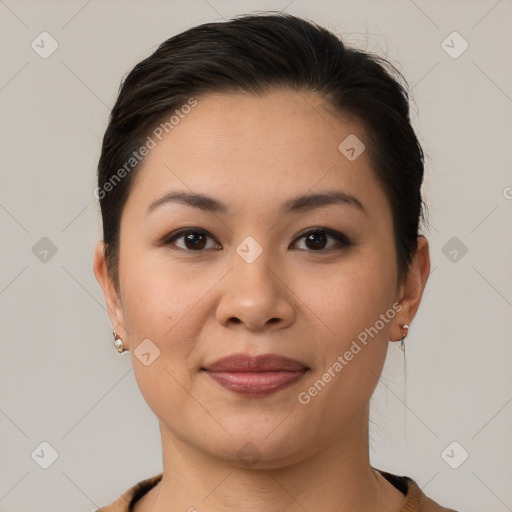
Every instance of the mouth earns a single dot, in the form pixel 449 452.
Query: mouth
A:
pixel 255 375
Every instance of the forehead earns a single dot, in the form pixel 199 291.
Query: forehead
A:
pixel 259 149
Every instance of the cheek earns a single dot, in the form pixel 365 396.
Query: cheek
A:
pixel 353 294
pixel 156 295
pixel 163 307
pixel 167 304
pixel 174 305
pixel 356 304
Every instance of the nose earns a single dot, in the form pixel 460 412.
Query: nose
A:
pixel 255 295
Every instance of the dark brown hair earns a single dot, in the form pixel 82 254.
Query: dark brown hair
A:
pixel 254 53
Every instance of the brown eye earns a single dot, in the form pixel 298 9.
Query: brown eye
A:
pixel 193 240
pixel 317 239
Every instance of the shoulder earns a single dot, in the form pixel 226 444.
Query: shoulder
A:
pixel 125 502
pixel 415 499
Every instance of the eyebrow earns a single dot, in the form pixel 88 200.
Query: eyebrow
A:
pixel 302 203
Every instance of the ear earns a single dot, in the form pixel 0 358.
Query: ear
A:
pixel 112 299
pixel 412 287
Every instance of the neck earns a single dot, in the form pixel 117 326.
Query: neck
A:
pixel 338 477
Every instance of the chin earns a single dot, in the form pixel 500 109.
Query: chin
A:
pixel 264 443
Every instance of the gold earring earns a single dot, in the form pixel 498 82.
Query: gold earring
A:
pixel 404 335
pixel 118 343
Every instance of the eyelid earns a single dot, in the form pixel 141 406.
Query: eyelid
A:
pixel 342 239
pixel 180 233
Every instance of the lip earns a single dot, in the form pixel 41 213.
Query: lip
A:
pixel 255 375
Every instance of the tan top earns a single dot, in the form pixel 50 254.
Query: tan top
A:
pixel 415 501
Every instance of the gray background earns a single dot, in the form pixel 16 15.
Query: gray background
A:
pixel 61 380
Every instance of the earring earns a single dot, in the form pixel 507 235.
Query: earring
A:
pixel 404 335
pixel 118 343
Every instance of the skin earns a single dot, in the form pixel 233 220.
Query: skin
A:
pixel 254 153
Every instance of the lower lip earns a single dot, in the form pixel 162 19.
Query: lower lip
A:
pixel 256 383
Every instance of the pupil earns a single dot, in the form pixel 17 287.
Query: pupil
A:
pixel 314 240
pixel 197 244
pixel 318 240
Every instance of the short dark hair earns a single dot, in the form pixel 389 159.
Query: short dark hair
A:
pixel 255 53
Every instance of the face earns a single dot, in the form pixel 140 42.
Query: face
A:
pixel 256 270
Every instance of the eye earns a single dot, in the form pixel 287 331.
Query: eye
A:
pixel 316 239
pixel 193 240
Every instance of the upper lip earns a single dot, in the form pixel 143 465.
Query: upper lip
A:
pixel 258 363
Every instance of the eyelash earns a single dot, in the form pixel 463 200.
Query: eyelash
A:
pixel 343 241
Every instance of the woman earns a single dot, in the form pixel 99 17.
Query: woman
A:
pixel 260 192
